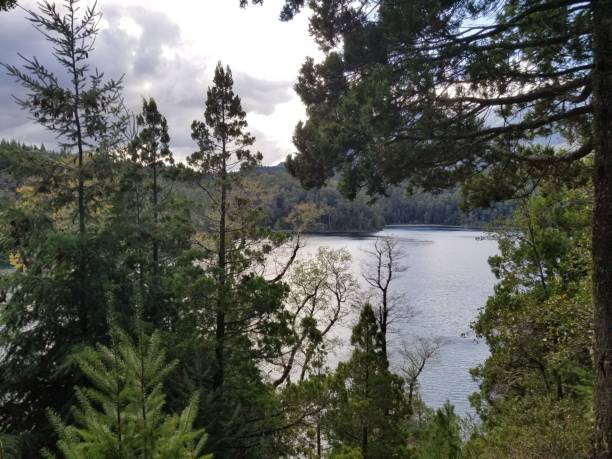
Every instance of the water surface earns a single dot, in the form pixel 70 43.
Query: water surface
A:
pixel 446 281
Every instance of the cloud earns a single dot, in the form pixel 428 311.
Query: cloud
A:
pixel 261 96
pixel 149 49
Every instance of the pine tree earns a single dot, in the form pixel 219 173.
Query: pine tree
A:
pixel 150 150
pixel 223 146
pixel 65 277
pixel 441 438
pixel 87 113
pixel 121 415
pixel 242 309
pixel 368 407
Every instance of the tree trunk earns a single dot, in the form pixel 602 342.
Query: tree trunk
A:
pixel 221 267
pixel 83 319
pixel 319 438
pixel 153 306
pixel 602 226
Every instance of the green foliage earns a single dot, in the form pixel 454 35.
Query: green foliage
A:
pixel 542 427
pixel 381 114
pixel 239 316
pixel 65 281
pixel 538 326
pixel 196 267
pixel 87 112
pixel 6 5
pixel 367 407
pixel 121 414
pixel 10 446
pixel 38 340
pixel 441 438
pixel 160 220
pixel 283 199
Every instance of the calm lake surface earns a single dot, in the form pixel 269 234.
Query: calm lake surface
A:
pixel 446 281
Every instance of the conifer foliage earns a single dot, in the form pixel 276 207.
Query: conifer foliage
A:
pixel 62 253
pixel 150 150
pixel 222 146
pixel 368 403
pixel 121 415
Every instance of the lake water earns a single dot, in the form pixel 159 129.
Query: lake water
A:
pixel 446 281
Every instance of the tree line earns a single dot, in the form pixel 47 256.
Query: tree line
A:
pixel 330 210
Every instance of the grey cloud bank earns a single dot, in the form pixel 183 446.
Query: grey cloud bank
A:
pixel 155 62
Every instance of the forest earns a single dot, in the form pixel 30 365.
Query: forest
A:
pixel 365 213
pixel 159 307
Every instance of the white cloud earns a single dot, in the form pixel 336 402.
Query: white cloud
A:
pixel 168 50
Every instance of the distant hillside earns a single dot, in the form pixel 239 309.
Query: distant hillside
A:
pixel 9 151
pixel 287 205
pixel 338 213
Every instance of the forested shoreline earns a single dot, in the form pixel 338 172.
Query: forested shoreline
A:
pixel 163 308
pixel 335 213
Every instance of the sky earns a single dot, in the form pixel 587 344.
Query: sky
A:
pixel 168 50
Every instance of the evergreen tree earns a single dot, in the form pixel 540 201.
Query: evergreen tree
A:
pixel 87 113
pixel 247 321
pixel 151 152
pixel 441 438
pixel 65 278
pixel 368 409
pixel 122 414
pixel 223 146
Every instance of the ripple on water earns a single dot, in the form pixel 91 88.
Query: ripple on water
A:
pixel 446 281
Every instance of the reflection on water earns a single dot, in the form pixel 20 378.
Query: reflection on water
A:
pixel 447 281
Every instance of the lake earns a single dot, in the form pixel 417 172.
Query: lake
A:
pixel 446 281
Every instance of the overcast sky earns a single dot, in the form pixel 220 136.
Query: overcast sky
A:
pixel 168 50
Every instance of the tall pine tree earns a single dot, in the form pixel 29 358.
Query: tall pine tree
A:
pixel 368 409
pixel 150 151
pixel 223 148
pixel 242 309
pixel 59 293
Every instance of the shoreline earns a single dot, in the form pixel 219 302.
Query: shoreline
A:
pixel 371 233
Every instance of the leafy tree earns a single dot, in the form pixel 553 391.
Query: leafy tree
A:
pixel 538 327
pixel 121 415
pixel 540 427
pixel 320 290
